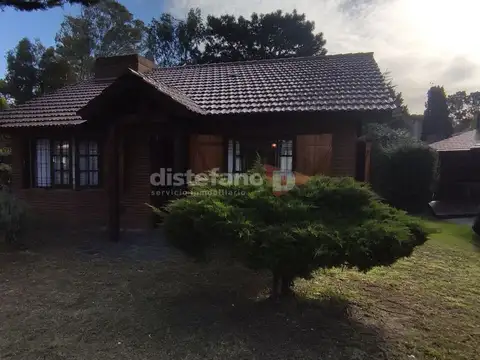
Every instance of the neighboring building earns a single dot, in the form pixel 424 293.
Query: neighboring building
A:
pixel 83 155
pixel 459 173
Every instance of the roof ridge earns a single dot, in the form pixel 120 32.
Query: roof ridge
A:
pixel 256 61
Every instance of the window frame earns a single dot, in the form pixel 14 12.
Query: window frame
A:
pixel 78 140
pixel 74 165
pixel 241 140
pixel 34 167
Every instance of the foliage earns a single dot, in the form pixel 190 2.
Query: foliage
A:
pixel 401 114
pixel 33 70
pixel 12 216
pixel 5 175
pixel 33 5
pixel 21 80
pixel 3 102
pixel 171 41
pixel 264 36
pixel 437 124
pixel 462 107
pixel 106 29
pixel 404 170
pixel 328 222
pixel 54 72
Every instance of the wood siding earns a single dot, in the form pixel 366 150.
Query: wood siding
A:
pixel 206 152
pixel 314 154
pixel 344 151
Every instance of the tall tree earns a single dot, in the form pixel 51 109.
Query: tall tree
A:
pixel 463 107
pixel 54 72
pixel 171 41
pixel 32 5
pixel 264 36
pixel 401 115
pixel 105 29
pixel 437 124
pixel 21 80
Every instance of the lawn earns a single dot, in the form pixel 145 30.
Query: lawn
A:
pixel 66 303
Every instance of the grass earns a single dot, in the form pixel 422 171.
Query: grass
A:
pixel 64 304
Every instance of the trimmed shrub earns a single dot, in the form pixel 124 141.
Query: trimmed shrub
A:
pixel 328 222
pixel 404 170
pixel 12 216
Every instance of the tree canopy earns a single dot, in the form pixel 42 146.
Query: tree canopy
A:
pixel 106 29
pixel 171 41
pixel 437 124
pixel 33 5
pixel 264 36
pixel 462 107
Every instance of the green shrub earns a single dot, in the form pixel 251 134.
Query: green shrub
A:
pixel 404 170
pixel 5 175
pixel 12 216
pixel 327 222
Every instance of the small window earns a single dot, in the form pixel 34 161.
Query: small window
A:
pixel 88 163
pixel 235 163
pixel 285 155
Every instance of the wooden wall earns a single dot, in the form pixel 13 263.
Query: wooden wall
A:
pixel 206 152
pixel 314 154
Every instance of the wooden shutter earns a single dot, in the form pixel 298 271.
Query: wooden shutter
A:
pixel 314 154
pixel 206 152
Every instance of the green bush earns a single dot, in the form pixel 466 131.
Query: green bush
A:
pixel 327 222
pixel 12 216
pixel 5 175
pixel 404 170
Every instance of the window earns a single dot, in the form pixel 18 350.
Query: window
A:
pixel 234 157
pixel 285 155
pixel 242 155
pixel 88 169
pixel 57 166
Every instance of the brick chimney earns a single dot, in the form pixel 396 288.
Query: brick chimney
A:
pixel 114 66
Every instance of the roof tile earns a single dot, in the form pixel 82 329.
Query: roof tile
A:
pixel 319 83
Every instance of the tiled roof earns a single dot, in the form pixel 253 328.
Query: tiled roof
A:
pixel 350 82
pixel 57 108
pixel 462 142
pixel 319 83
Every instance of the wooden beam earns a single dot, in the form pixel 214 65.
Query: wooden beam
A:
pixel 113 183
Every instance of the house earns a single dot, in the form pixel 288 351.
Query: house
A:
pixel 83 155
pixel 459 173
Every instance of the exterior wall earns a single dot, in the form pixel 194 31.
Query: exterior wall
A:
pixel 329 147
pixel 136 189
pixel 344 151
pixel 58 207
pixel 88 208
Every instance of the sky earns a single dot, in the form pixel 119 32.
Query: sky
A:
pixel 420 42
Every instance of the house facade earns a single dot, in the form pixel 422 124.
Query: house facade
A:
pixel 83 156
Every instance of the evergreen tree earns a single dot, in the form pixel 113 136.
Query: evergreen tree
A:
pixel 437 124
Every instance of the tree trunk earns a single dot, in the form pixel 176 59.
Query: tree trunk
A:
pixel 281 286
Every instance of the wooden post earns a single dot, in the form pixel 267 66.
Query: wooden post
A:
pixel 113 184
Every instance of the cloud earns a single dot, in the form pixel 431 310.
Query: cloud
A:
pixel 420 42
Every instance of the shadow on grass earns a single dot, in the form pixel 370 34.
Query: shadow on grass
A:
pixel 207 318
pixel 476 241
